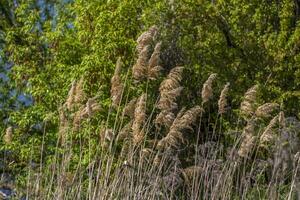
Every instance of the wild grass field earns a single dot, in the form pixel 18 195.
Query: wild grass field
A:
pixel 118 108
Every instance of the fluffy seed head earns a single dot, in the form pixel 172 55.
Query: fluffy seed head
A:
pixel 154 59
pixel 125 132
pixel 79 93
pixel 247 145
pixel 266 109
pixel 268 135
pixel 175 138
pixel 71 95
pixel 139 69
pixel 146 38
pixel 129 108
pixel 222 103
pixel 247 105
pixel 117 87
pixel 173 80
pixel 165 118
pixel 248 139
pixel 281 119
pixel 207 91
pixel 139 119
pixel 8 135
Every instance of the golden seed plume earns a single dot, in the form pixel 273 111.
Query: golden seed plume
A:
pixel 125 132
pixel 167 99
pixel 154 67
pixel 71 95
pixel 268 135
pixel 79 93
pixel 247 105
pixel 164 118
pixel 139 69
pixel 190 173
pixel 207 90
pixel 175 136
pixel 281 119
pixel 116 85
pixel 129 108
pixel 146 38
pixel 248 139
pixel 139 119
pixel 173 80
pixel 63 125
pixel 106 137
pixel 266 109
pixel 170 90
pixel 8 135
pixel 222 103
pixel 85 112
pixel 246 146
pixel 155 57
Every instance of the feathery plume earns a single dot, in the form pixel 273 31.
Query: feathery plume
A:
pixel 222 103
pixel 154 68
pixel 139 119
pixel 71 95
pixel 155 59
pixel 168 98
pixel 129 108
pixel 106 137
pixel 172 81
pixel 125 132
pixel 85 112
pixel 268 135
pixel 207 91
pixel 63 125
pixel 182 122
pixel 116 85
pixel 169 90
pixel 164 117
pixel 8 135
pixel 79 93
pixel 139 69
pixel 281 119
pixel 246 146
pixel 247 105
pixel 266 109
pixel 190 173
pixel 248 139
pixel 146 38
